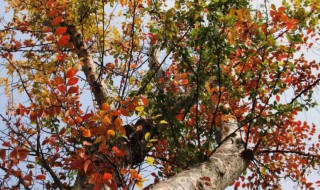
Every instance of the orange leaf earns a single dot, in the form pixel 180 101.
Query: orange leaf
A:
pixel 145 101
pixel 105 107
pixel 106 177
pixel 59 80
pixel 278 98
pixel 121 129
pixel 86 133
pixel 71 72
pixel 63 40
pixel 50 38
pixel 184 81
pixel 123 171
pixel 123 2
pixel 61 30
pixel 111 132
pixel 41 177
pixel 118 121
pixel 106 120
pixel 115 113
pixel 46 29
pixel 56 21
pixel 72 81
pixel 124 112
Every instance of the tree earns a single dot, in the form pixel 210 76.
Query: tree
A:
pixel 192 94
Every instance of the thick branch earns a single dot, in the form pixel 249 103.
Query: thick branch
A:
pixel 222 168
pixel 98 87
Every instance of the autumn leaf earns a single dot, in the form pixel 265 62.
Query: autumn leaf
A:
pixel 139 108
pixel 145 101
pixel 53 13
pixel 58 80
pixel 46 29
pixel 124 112
pixel 86 133
pixel 163 122
pixel 63 40
pixel 111 132
pixel 41 177
pixel 179 117
pixel 56 21
pixel 73 89
pixel 2 154
pixel 123 2
pixel 86 165
pixel 72 81
pixel 106 176
pixel 61 30
pixel 71 73
pixel 106 120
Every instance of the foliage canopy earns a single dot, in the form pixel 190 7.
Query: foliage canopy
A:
pixel 114 90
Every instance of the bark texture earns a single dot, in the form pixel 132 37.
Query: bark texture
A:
pixel 97 85
pixel 223 167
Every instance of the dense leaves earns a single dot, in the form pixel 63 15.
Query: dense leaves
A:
pixel 104 93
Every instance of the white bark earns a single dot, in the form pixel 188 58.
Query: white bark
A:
pixel 223 167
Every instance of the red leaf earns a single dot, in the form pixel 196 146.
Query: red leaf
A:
pixel 236 185
pixel 145 101
pixel 56 21
pixel 23 154
pixel 41 177
pixel 62 88
pixel 72 81
pixel 71 72
pixel 105 107
pixel 2 154
pixel 124 112
pixel 278 98
pixel 184 81
pixel 63 40
pixel 179 117
pixel 58 80
pixel 53 13
pixel 86 165
pixel 73 90
pixel 61 30
pixel 106 177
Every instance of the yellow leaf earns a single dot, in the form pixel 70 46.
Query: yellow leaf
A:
pixel 147 136
pixel 140 108
pixel 140 183
pixel 111 132
pixel 150 161
pixel 163 122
